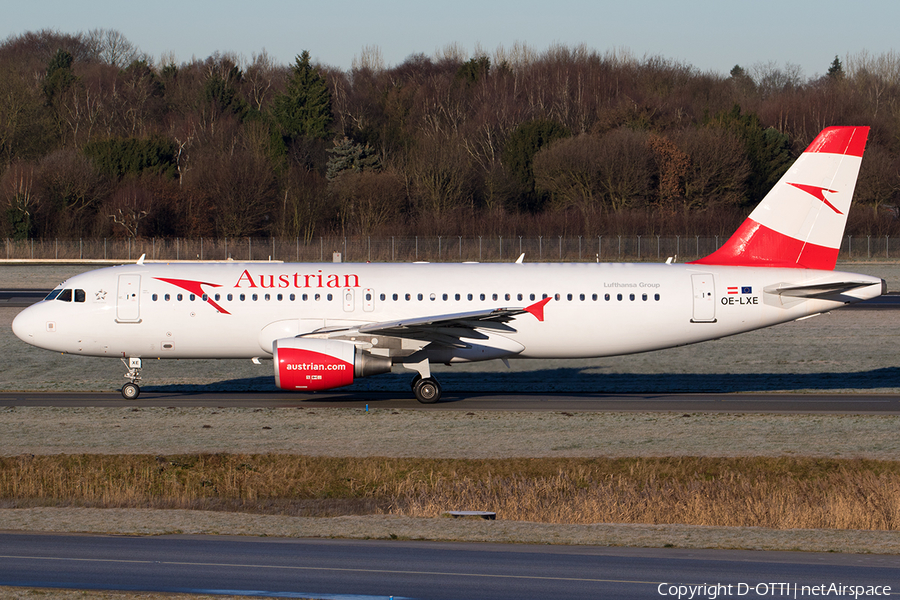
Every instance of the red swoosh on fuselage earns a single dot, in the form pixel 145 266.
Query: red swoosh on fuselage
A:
pixel 194 287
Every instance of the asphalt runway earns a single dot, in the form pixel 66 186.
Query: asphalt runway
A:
pixel 882 404
pixel 368 569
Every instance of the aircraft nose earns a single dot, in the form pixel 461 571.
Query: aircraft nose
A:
pixel 25 325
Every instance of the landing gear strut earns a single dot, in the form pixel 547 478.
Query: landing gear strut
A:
pixel 132 390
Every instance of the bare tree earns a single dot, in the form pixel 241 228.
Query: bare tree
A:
pixel 128 206
pixel 18 196
pixel 112 47
pixel 717 170
pixel 367 200
pixel 594 173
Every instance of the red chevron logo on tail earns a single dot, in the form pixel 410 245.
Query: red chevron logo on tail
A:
pixel 818 193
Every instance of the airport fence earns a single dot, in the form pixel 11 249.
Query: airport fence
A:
pixel 605 248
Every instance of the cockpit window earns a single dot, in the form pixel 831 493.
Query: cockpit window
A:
pixel 67 295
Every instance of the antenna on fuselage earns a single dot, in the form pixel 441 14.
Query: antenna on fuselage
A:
pixel 141 259
pixel 521 259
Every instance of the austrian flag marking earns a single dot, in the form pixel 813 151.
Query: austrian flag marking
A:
pixel 744 289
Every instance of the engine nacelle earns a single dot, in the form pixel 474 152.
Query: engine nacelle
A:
pixel 315 364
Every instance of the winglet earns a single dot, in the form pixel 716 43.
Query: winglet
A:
pixel 537 309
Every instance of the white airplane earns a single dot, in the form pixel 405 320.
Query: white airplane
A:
pixel 326 324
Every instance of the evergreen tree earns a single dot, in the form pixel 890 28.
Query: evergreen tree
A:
pixel 59 76
pixel 836 70
pixel 347 156
pixel 768 150
pixel 304 110
pixel 518 154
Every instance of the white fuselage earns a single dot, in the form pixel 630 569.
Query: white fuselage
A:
pixel 237 310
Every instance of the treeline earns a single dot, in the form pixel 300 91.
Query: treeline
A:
pixel 98 140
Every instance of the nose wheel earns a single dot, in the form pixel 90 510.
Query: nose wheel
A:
pixel 132 390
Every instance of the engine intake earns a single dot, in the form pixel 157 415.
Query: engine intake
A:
pixel 317 364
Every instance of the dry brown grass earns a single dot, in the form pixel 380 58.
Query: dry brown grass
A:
pixel 777 493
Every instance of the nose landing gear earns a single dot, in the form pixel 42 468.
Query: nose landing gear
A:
pixel 132 390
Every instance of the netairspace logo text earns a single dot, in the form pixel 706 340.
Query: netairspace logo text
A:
pixel 772 590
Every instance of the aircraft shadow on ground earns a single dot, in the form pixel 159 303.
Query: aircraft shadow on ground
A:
pixel 573 380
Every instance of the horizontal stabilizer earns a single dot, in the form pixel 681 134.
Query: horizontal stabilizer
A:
pixel 817 290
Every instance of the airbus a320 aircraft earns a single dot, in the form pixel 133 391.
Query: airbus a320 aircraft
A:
pixel 324 325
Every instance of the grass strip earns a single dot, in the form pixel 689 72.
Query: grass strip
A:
pixel 778 493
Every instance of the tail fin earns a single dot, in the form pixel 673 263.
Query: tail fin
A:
pixel 800 222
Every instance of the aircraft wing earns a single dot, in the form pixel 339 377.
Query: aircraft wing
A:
pixel 446 329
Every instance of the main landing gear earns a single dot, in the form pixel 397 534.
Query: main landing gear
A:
pixel 132 390
pixel 424 386
pixel 426 389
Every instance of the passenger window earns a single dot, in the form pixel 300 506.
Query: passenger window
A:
pixel 644 297
pixel 507 296
pixel 229 297
pixel 606 297
pixel 481 296
pixel 656 297
pixel 457 296
pixel 167 297
pixel 619 297
pixel 254 297
pixel 408 297
pixel 519 296
pixel 594 297
pixel 318 297
pixel 154 297
pixel 218 297
pixel 180 297
pixel 305 297
pixel 383 296
pixel 420 297
pixel 192 297
pixel 293 297
pixel 395 296
pixel 631 297
pixel 569 297
pixel 330 297
pixel 204 297
pixel 268 297
pixel 432 297
pixel 531 296
pixel 242 297
pixel 445 296
pixel 469 296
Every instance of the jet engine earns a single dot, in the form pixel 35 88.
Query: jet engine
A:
pixel 312 364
